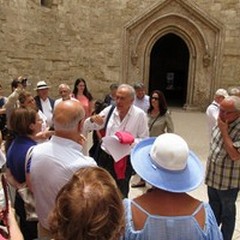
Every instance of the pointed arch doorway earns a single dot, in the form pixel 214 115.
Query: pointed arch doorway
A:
pixel 192 27
pixel 168 71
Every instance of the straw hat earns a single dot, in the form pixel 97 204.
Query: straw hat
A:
pixel 42 85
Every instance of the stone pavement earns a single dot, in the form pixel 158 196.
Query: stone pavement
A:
pixel 192 127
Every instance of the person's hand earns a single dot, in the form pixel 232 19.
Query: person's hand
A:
pixel 97 119
pixel 4 213
pixel 44 135
pixel 223 126
pixel 13 231
pixel 48 133
pixel 81 139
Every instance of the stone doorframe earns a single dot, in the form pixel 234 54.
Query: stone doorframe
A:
pixel 202 35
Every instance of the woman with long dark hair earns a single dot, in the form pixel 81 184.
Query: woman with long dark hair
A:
pixel 81 93
pixel 160 120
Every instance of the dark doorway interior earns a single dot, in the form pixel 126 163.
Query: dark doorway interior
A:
pixel 169 61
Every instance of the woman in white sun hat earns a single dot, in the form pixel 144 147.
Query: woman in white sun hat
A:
pixel 167 211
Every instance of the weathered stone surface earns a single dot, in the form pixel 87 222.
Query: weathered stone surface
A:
pixel 69 39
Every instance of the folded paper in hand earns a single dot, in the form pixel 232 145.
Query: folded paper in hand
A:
pixel 115 147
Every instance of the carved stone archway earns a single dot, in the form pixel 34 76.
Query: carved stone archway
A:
pixel 199 31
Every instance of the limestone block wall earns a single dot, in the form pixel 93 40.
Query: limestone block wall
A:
pixel 227 12
pixel 81 38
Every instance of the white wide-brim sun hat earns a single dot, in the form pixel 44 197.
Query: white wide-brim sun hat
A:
pixel 167 163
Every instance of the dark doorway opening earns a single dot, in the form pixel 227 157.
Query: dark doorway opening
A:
pixel 169 62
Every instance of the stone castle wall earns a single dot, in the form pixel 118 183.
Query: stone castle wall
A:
pixel 80 38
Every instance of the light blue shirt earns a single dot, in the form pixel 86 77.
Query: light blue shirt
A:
pixel 172 228
pixel 143 103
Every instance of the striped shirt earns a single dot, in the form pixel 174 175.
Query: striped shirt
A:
pixel 222 173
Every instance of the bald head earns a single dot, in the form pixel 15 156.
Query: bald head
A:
pixel 67 115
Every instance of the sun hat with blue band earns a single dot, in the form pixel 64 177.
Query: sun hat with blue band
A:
pixel 167 163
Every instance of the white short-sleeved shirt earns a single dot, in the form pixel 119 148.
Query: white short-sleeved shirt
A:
pixel 212 113
pixel 52 165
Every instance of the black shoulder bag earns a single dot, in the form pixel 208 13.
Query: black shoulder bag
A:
pixel 95 150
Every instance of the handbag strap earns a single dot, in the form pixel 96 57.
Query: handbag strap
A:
pixel 108 117
pixel 154 121
pixel 28 160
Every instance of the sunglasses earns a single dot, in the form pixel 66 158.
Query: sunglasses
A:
pixel 155 98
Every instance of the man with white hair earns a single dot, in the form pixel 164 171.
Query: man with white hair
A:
pixel 213 109
pixel 127 119
pixel 65 92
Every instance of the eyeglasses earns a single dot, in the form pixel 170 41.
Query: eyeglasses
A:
pixel 155 98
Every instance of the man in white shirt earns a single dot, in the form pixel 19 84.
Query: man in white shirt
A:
pixel 125 118
pixel 141 101
pixel 213 109
pixel 43 101
pixel 65 92
pixel 54 162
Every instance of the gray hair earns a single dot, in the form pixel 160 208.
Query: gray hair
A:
pixel 64 85
pixel 138 85
pixel 114 86
pixel 71 125
pixel 233 91
pixel 68 122
pixel 236 101
pixel 129 88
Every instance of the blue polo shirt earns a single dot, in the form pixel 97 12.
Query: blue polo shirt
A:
pixel 16 155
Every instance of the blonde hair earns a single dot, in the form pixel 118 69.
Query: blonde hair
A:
pixel 89 206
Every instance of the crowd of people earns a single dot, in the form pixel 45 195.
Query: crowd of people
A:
pixel 76 195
